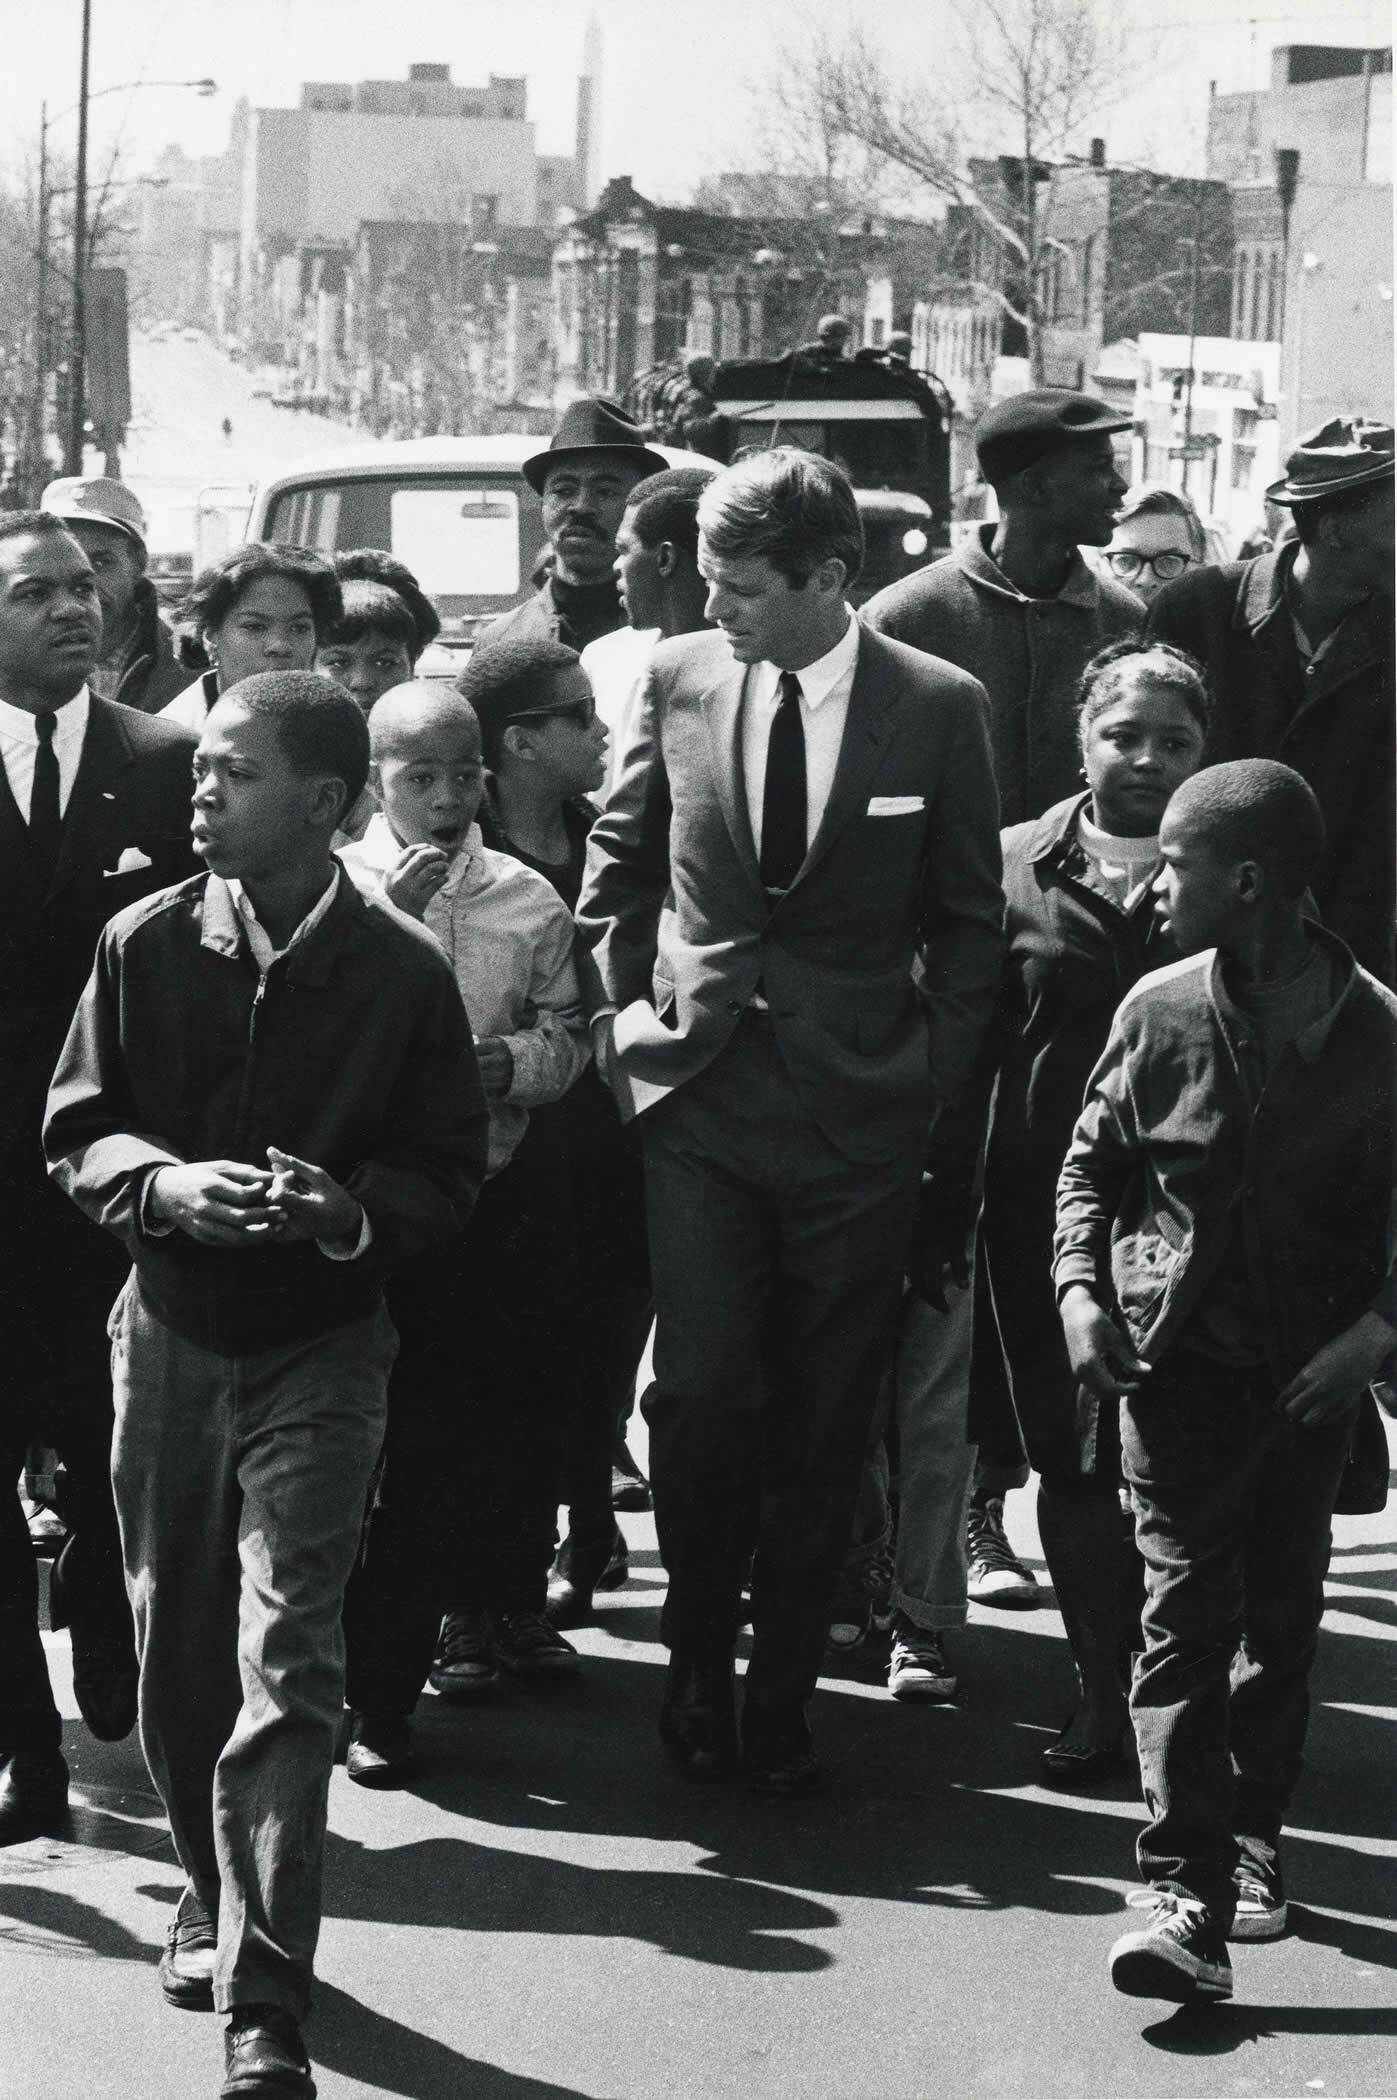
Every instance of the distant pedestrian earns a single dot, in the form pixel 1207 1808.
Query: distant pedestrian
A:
pixel 227 430
pixel 1224 1272
pixel 1298 647
pixel 268 1095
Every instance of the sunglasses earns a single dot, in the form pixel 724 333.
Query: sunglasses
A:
pixel 581 712
pixel 1164 567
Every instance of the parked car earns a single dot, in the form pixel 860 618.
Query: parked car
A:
pixel 457 510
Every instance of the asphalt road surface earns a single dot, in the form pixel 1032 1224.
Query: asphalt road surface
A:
pixel 552 1914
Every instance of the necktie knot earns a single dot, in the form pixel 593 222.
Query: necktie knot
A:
pixel 45 723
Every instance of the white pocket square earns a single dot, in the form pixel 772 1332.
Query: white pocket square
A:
pixel 895 805
pixel 131 862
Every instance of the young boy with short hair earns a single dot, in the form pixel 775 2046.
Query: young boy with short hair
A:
pixel 268 1094
pixel 465 1512
pixel 1223 1263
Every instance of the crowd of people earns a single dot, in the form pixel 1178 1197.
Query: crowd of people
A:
pixel 956 1037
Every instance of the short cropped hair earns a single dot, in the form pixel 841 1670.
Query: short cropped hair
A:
pixel 34 524
pixel 218 588
pixel 377 565
pixel 789 507
pixel 508 680
pixel 1113 669
pixel 1257 809
pixel 318 725
pixel 665 506
pixel 372 608
pixel 1153 499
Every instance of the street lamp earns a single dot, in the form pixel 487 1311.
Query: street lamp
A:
pixel 77 360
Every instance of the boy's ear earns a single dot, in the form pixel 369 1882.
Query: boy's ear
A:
pixel 515 740
pixel 328 801
pixel 1249 881
pixel 667 558
pixel 375 781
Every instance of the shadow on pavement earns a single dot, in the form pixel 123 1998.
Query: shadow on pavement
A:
pixel 346 2036
pixel 1215 2030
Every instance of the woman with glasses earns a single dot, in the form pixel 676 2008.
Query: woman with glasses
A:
pixel 1158 536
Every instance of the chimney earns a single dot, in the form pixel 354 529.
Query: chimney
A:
pixel 1097 153
pixel 587 149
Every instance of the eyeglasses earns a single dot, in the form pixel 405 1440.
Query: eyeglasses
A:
pixel 1125 562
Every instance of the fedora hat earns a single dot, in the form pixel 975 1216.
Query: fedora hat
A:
pixel 594 424
pixel 1345 453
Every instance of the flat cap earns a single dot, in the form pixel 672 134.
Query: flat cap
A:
pixel 1345 453
pixel 1014 433
pixel 100 500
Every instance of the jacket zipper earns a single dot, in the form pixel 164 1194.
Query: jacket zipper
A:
pixel 245 1091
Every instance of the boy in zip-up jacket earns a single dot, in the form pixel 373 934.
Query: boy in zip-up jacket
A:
pixel 1223 1262
pixel 269 1095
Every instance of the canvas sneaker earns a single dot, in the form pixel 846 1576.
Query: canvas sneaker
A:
pixel 994 1573
pixel 1261 1906
pixel 917 1668
pixel 1179 1953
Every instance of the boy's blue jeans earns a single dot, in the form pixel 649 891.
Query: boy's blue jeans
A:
pixel 1232 1512
pixel 240 1488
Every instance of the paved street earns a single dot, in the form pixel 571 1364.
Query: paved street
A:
pixel 552 1915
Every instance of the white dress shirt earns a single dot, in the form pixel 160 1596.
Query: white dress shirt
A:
pixel 825 686
pixel 616 665
pixel 19 746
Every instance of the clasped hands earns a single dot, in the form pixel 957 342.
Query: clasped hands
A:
pixel 224 1203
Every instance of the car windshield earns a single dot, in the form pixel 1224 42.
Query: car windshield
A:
pixel 875 455
pixel 471 540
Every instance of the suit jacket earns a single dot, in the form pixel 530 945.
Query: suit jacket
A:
pixel 125 833
pixel 880 963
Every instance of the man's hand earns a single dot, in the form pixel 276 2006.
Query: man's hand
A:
pixel 415 877
pixel 308 1204
pixel 1331 1384
pixel 496 1062
pixel 603 1033
pixel 1101 1358
pixel 219 1202
pixel 940 1250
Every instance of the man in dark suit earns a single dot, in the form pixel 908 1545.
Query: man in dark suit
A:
pixel 94 813
pixel 793 902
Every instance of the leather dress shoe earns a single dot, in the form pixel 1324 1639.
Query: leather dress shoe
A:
pixel 629 1487
pixel 1068 1767
pixel 105 1673
pixel 33 1795
pixel 379 1753
pixel 698 1717
pixel 263 2054
pixel 572 1582
pixel 186 1966
pixel 778 1752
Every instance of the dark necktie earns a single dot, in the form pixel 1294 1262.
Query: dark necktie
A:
pixel 45 817
pixel 783 797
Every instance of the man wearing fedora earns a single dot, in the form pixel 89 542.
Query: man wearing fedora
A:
pixel 1297 644
pixel 593 461
pixel 138 665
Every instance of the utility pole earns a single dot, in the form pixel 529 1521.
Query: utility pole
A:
pixel 1194 277
pixel 77 357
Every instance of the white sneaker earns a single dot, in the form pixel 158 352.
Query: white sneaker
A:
pixel 917 1668
pixel 1179 1955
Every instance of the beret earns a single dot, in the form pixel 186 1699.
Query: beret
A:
pixel 1015 432
pixel 1345 453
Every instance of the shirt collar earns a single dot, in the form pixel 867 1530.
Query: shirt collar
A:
pixel 817 680
pixel 1083 586
pixel 258 939
pixel 17 723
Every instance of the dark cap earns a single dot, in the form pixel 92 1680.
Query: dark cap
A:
pixel 1014 433
pixel 594 424
pixel 1347 452
pixel 96 501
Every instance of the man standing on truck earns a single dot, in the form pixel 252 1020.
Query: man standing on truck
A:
pixel 593 461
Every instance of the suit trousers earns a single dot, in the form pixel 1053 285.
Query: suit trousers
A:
pixel 240 1486
pixel 777 1266
pixel 1232 1512
pixel 58 1278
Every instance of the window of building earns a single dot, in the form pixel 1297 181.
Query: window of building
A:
pixel 1241 284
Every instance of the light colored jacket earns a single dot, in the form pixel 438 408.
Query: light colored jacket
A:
pixel 510 941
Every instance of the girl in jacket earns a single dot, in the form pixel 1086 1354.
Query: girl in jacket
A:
pixel 1079 930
